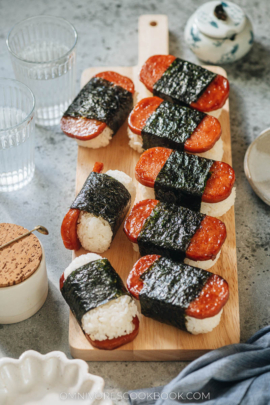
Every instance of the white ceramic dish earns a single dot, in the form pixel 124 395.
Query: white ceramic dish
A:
pixel 19 302
pixel 50 379
pixel 257 165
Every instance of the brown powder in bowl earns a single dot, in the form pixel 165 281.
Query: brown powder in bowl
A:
pixel 19 260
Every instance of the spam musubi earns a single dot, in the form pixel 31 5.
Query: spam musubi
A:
pixel 99 110
pixel 188 180
pixel 100 302
pixel 184 82
pixel 155 122
pixel 98 210
pixel 175 232
pixel 189 298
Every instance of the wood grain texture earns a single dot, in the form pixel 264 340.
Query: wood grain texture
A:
pixel 156 341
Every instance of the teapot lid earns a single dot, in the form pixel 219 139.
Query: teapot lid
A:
pixel 220 19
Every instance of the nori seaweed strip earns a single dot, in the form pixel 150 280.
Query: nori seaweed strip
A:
pixel 183 82
pixel 102 195
pixel 170 126
pixel 168 231
pixel 104 101
pixel 182 180
pixel 92 285
pixel 168 289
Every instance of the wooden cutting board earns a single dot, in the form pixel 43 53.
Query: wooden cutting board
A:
pixel 156 341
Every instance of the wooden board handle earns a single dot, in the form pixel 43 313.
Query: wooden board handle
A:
pixel 153 36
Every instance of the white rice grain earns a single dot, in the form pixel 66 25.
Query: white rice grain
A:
pixel 197 326
pixel 94 233
pixel 203 264
pixel 220 208
pixel 145 192
pixel 99 141
pixel 111 320
pixel 135 141
pixel 215 153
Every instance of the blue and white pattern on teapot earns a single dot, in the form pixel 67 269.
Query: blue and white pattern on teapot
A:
pixel 219 32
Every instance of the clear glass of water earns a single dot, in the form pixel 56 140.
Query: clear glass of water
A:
pixel 17 135
pixel 43 54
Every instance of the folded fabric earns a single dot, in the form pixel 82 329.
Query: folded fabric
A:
pixel 232 375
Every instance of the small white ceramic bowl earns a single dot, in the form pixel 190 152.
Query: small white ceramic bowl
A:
pixel 20 301
pixel 50 379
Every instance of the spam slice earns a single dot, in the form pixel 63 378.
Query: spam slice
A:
pixel 99 110
pixel 175 232
pixel 177 80
pixel 98 210
pixel 155 122
pixel 186 180
pixel 189 298
pixel 100 302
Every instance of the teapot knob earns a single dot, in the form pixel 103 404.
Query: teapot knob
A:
pixel 220 13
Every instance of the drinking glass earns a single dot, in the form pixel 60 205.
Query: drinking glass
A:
pixel 43 55
pixel 17 134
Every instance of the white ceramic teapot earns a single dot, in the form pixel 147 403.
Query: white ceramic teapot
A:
pixel 219 32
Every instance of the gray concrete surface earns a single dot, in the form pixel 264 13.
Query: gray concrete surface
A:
pixel 108 36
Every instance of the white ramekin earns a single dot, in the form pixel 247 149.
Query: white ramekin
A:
pixel 20 301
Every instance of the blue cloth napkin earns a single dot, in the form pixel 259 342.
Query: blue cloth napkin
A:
pixel 232 375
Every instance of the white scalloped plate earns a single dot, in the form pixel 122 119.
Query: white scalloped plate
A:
pixel 50 379
pixel 257 165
